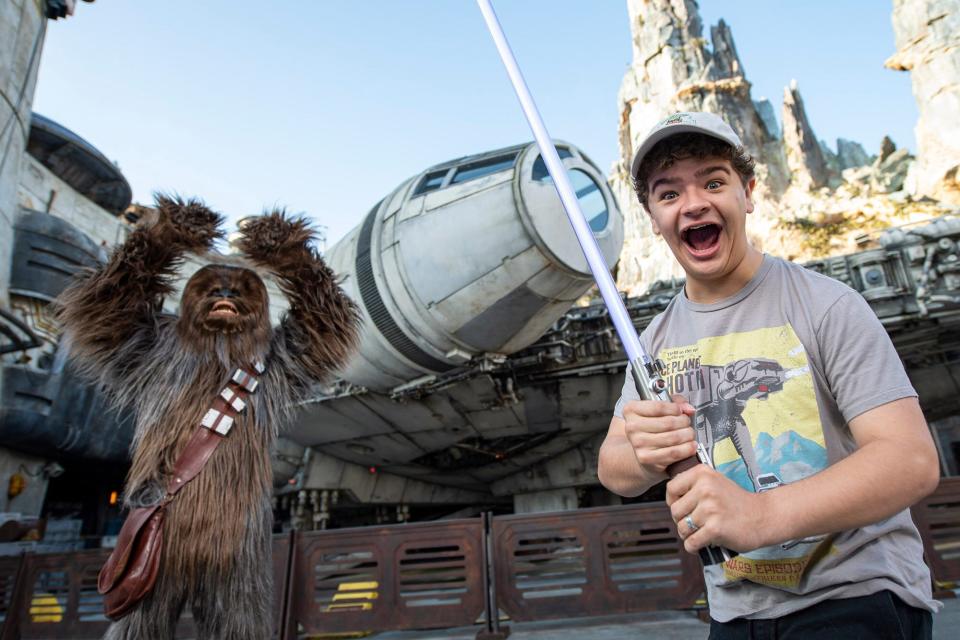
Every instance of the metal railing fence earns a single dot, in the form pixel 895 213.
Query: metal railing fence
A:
pixel 602 561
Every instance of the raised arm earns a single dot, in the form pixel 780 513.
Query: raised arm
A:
pixel 321 328
pixel 106 308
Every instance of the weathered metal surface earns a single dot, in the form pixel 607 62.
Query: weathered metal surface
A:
pixel 48 252
pixel 46 411
pixel 592 562
pixel 415 576
pixel 938 519
pixel 45 407
pixel 491 611
pixel 16 334
pixel 471 257
pixel 55 595
pixel 12 592
pixel 283 547
pixel 79 164
pixel 62 599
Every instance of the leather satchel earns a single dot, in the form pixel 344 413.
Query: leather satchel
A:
pixel 131 570
pixel 130 573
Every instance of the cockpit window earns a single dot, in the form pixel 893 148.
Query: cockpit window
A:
pixel 483 168
pixel 589 195
pixel 431 182
pixel 591 200
pixel 540 167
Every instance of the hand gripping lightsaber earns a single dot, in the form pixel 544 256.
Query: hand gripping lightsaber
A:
pixel 647 374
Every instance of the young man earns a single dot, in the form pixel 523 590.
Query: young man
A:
pixel 791 384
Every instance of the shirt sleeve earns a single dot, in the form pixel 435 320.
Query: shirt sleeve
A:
pixel 859 360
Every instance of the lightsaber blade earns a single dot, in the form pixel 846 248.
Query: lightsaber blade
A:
pixel 646 373
pixel 608 289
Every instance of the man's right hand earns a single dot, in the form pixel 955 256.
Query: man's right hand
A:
pixel 640 446
pixel 660 432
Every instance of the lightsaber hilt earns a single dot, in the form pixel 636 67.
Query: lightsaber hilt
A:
pixel 649 381
pixel 708 555
pixel 648 378
pixel 646 373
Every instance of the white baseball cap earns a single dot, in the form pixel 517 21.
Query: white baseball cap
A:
pixel 685 122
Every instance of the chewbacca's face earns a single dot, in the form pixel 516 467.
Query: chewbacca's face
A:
pixel 224 299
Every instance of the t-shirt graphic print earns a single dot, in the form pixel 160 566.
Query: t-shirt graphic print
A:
pixel 757 417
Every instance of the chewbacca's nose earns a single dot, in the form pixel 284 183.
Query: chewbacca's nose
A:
pixel 225 292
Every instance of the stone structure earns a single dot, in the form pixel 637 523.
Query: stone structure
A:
pixel 673 70
pixel 805 156
pixel 22 29
pixel 928 46
pixel 851 154
pixel 36 185
pixel 22 32
pixel 811 201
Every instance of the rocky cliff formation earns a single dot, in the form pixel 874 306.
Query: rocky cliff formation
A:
pixel 927 35
pixel 811 200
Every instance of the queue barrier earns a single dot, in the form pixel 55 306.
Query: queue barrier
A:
pixel 938 520
pixel 454 573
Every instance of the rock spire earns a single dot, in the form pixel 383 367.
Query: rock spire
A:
pixel 810 200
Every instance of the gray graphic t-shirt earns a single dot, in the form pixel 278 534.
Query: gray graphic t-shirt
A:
pixel 775 373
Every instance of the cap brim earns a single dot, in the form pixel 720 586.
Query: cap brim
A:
pixel 665 133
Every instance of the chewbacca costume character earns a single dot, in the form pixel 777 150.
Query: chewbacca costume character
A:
pixel 216 553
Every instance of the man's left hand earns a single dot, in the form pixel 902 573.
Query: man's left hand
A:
pixel 722 512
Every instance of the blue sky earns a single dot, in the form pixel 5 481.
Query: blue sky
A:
pixel 325 107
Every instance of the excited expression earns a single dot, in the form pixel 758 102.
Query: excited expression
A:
pixel 700 207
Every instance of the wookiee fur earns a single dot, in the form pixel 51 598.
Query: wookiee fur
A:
pixel 216 555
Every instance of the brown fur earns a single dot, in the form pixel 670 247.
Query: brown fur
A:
pixel 169 369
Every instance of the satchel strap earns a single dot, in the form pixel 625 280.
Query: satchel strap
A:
pixel 227 406
pixel 214 427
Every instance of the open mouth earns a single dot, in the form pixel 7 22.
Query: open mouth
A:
pixel 702 238
pixel 223 310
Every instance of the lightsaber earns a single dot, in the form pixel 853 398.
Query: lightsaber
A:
pixel 647 374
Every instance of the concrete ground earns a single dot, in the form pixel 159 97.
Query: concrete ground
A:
pixel 660 625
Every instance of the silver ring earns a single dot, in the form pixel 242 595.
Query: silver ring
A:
pixel 690 524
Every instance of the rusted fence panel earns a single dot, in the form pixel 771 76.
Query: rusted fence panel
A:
pixel 412 576
pixel 61 599
pixel 282 573
pixel 592 562
pixel 56 595
pixel 12 590
pixel 431 575
pixel 938 519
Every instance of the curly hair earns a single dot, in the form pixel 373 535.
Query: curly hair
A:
pixel 683 146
